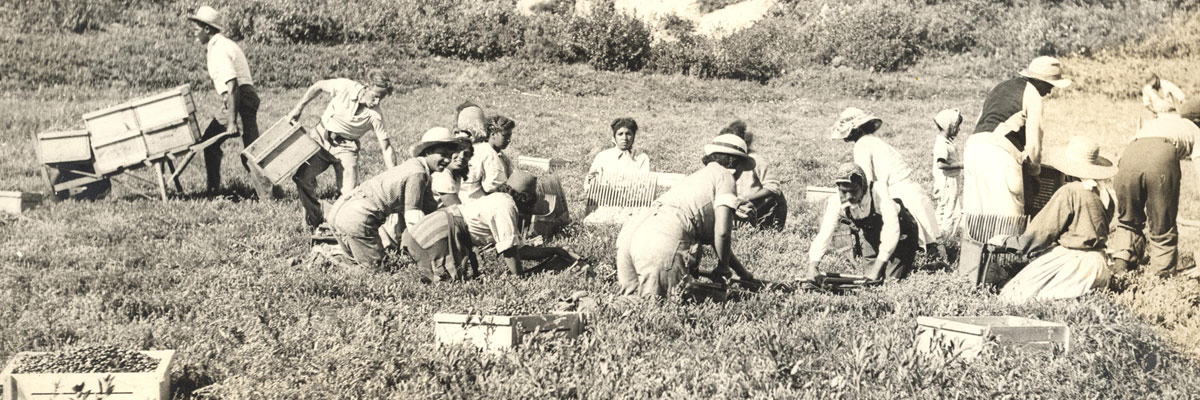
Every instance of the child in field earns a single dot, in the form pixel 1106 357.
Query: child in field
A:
pixel 946 168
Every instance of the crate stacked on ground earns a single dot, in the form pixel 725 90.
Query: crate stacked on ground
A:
pixel 89 372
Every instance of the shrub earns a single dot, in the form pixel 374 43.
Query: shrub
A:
pixel 612 41
pixel 872 36
pixel 467 30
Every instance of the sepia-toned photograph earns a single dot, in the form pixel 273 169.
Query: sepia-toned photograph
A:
pixel 599 199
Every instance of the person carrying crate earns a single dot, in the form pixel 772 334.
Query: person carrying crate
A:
pixel 230 73
pixel 875 218
pixel 352 112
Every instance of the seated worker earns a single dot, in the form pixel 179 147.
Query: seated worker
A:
pixel 874 217
pixel 1073 226
pixel 659 249
pixel 444 242
pixel 356 218
pixel 353 112
pixel 621 158
pixel 489 167
pixel 765 205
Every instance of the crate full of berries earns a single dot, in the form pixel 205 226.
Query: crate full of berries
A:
pixel 106 372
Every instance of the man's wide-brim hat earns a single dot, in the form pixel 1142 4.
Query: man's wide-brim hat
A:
pixel 852 118
pixel 208 16
pixel 1081 158
pixel 1047 69
pixel 433 137
pixel 732 145
pixel 523 182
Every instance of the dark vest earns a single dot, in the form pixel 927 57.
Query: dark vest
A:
pixel 870 227
pixel 1002 102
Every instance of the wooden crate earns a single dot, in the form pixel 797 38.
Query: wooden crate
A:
pixel 495 332
pixel 18 202
pixel 279 151
pixel 65 146
pixel 817 194
pixel 1039 193
pixel 543 164
pixel 968 335
pixel 154 385
pixel 130 133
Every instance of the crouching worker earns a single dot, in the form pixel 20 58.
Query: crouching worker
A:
pixel 1073 226
pixel 874 217
pixel 358 216
pixel 658 249
pixel 443 243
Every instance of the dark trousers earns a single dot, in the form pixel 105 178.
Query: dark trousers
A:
pixel 769 213
pixel 247 110
pixel 1147 186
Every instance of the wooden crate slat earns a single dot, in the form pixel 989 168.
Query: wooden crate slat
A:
pixel 281 150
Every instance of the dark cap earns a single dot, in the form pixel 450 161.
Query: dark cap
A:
pixel 847 172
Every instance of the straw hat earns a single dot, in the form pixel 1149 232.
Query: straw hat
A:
pixel 471 119
pixel 432 137
pixel 734 145
pixel 1047 69
pixel 850 119
pixel 523 182
pixel 947 117
pixel 847 172
pixel 208 16
pixel 1081 158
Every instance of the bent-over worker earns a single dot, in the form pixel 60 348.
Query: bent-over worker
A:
pixel 353 112
pixel 444 242
pixel 356 218
pixel 874 217
pixel 659 249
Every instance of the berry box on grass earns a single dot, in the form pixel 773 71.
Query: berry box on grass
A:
pixel 100 371
pixel 495 332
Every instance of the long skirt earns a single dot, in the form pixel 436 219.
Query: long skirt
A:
pixel 1060 274
pixel 993 200
pixel 655 250
pixel 921 207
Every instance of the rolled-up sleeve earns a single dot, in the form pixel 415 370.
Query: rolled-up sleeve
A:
pixel 829 221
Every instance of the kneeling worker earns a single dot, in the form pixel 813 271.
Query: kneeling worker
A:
pixel 874 217
pixel 357 216
pixel 443 242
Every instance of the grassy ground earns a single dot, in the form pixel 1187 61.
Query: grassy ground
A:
pixel 222 280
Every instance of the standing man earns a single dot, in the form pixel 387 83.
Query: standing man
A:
pixel 231 76
pixel 1003 157
pixel 353 112
pixel 1147 185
